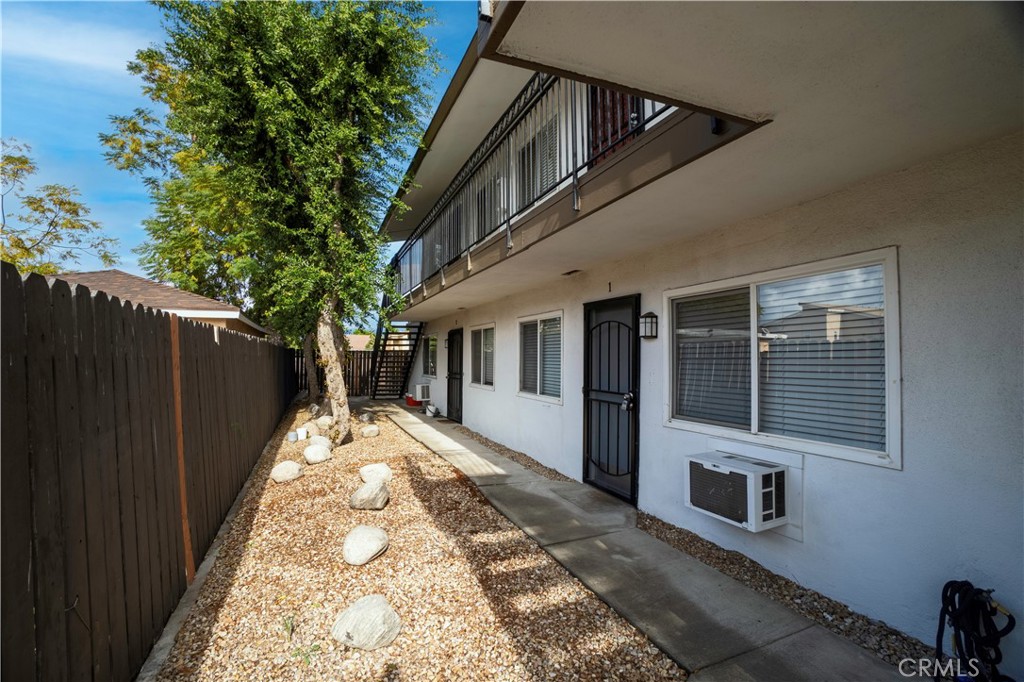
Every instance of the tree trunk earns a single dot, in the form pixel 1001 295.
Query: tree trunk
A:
pixel 331 342
pixel 312 375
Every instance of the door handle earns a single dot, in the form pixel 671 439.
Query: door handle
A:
pixel 627 402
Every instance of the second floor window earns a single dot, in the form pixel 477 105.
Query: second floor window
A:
pixel 489 203
pixel 538 164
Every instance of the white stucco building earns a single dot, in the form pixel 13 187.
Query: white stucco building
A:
pixel 823 206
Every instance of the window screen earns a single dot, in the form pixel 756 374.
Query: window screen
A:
pixel 430 356
pixel 482 363
pixel 528 357
pixel 551 357
pixel 713 358
pixel 821 357
pixel 540 367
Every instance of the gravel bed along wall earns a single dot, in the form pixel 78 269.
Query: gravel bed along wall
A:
pixel 478 599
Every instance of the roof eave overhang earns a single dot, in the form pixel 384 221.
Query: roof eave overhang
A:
pixel 215 315
pixel 491 34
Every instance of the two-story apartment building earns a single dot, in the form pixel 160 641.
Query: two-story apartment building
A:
pixel 641 232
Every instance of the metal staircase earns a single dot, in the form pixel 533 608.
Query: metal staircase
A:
pixel 393 355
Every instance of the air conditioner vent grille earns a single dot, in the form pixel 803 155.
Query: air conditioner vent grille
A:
pixel 743 491
pixel 719 493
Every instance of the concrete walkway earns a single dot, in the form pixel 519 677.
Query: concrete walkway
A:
pixel 713 626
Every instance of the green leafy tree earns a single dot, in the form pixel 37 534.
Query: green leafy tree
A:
pixel 201 236
pixel 53 228
pixel 305 111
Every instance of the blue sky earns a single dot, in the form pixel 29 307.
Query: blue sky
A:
pixel 62 73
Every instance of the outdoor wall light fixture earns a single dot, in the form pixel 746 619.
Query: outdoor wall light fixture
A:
pixel 648 326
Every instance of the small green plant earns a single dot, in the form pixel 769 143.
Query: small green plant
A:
pixel 307 653
pixel 289 626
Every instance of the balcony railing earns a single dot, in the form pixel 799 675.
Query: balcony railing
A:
pixel 553 133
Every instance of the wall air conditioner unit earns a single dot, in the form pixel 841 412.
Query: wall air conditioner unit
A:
pixel 745 492
pixel 421 392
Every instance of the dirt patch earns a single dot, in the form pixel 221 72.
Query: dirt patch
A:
pixel 478 599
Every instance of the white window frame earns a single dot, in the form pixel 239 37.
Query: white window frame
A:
pixel 480 328
pixel 893 456
pixel 426 354
pixel 519 357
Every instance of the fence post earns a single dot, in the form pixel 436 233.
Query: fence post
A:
pixel 179 432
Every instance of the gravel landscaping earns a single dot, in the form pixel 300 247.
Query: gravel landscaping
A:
pixel 477 599
pixel 885 642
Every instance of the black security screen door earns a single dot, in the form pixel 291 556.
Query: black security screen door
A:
pixel 611 374
pixel 455 375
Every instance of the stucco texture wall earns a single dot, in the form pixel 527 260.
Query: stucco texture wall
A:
pixel 881 540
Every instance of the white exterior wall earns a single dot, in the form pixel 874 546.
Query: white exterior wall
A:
pixel 881 540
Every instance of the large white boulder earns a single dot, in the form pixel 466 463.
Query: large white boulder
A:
pixel 368 624
pixel 363 544
pixel 376 472
pixel 314 454
pixel 324 423
pixel 286 471
pixel 321 440
pixel 372 495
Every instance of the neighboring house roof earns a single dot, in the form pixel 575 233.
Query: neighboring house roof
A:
pixel 359 341
pixel 146 292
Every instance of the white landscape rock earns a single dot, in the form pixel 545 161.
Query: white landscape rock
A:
pixel 368 624
pixel 325 422
pixel 367 417
pixel 311 429
pixel 321 440
pixel 372 495
pixel 314 454
pixel 363 544
pixel 376 472
pixel 286 471
pixel 370 431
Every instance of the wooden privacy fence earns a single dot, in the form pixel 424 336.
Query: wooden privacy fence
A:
pixel 102 423
pixel 358 364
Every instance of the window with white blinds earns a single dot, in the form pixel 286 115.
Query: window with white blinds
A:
pixel 821 357
pixel 482 362
pixel 713 358
pixel 538 164
pixel 540 357
pixel 822 365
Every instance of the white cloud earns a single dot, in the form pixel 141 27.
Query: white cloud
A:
pixel 35 36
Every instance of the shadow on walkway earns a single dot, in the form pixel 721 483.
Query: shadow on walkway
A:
pixel 559 627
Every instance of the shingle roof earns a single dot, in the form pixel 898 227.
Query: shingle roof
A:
pixel 146 292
